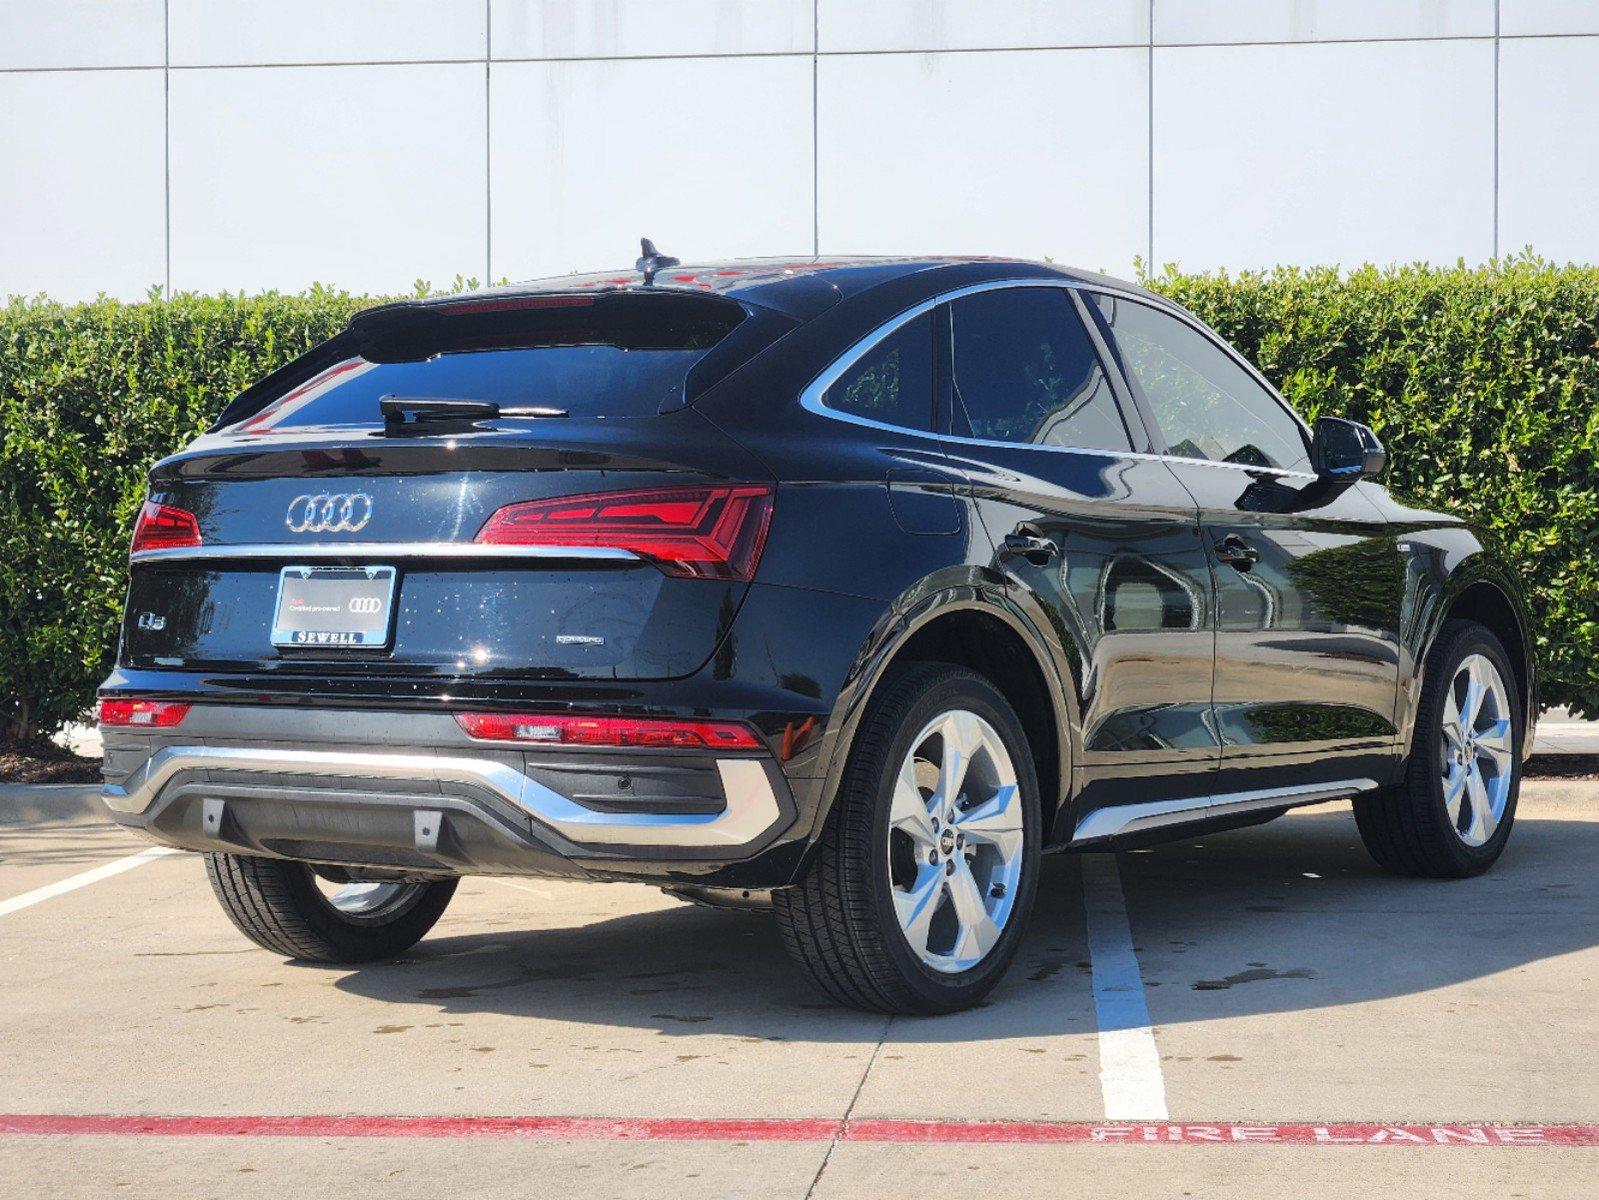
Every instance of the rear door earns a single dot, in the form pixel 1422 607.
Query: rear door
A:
pixel 1100 543
pixel 1308 577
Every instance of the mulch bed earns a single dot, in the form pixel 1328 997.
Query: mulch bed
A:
pixel 59 766
pixel 1562 766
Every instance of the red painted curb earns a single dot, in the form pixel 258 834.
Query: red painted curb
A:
pixel 802 1129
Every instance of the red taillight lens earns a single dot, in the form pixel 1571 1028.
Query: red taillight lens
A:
pixel 163 527
pixel 714 532
pixel 149 714
pixel 545 729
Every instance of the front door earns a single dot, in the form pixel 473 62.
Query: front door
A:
pixel 1308 576
pixel 1100 543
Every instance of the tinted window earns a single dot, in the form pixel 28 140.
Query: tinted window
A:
pixel 1025 371
pixel 589 357
pixel 893 381
pixel 1207 405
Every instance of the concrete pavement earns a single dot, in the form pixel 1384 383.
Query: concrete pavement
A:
pixel 1559 732
pixel 1288 983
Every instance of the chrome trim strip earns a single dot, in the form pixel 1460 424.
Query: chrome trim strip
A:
pixel 382 551
pixel 751 809
pixel 1136 818
pixel 811 397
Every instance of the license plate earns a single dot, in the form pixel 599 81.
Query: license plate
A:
pixel 350 607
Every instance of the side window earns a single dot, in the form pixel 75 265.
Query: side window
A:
pixel 1024 370
pixel 1207 405
pixel 893 381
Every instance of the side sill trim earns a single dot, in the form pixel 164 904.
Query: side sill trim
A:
pixel 1137 818
pixel 381 551
pixel 752 807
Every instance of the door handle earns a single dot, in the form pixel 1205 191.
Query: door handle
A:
pixel 1035 549
pixel 1236 552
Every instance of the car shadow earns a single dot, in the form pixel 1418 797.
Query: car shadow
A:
pixel 1295 916
pixel 1289 916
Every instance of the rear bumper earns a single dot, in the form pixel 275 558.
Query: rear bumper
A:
pixel 411 791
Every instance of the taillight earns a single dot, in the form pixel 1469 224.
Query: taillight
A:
pixel 150 714
pixel 712 532
pixel 163 527
pixel 564 730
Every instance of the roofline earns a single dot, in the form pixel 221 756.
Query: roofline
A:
pixel 799 286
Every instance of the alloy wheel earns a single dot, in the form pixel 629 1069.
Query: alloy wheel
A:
pixel 368 901
pixel 955 841
pixel 1477 750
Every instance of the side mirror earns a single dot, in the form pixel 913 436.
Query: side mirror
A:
pixel 1346 449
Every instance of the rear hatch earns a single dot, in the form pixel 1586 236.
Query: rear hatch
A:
pixel 513 487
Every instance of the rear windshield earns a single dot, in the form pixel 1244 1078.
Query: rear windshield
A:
pixel 608 356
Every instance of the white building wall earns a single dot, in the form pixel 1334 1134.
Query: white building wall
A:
pixel 240 144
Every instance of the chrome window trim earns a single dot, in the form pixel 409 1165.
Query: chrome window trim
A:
pixel 381 551
pixel 812 400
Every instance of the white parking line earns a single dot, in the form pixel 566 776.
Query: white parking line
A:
pixel 72 882
pixel 1129 1062
pixel 521 887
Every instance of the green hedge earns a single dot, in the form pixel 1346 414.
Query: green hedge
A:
pixel 1478 379
pixel 90 396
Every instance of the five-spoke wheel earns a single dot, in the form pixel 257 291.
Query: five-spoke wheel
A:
pixel 1450 814
pixel 918 893
pixel 1477 749
pixel 955 841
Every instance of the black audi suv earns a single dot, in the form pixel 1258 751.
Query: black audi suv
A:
pixel 845 588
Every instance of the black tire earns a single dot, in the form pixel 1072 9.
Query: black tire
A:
pixel 1406 827
pixel 838 922
pixel 277 905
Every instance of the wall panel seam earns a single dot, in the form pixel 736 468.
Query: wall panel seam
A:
pixel 166 142
pixel 1495 239
pixel 1149 105
pixel 488 143
pixel 795 54
pixel 816 128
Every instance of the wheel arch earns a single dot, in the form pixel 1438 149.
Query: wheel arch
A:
pixel 1488 604
pixel 1478 590
pixel 969 625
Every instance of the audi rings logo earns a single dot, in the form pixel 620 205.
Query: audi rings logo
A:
pixel 365 604
pixel 325 512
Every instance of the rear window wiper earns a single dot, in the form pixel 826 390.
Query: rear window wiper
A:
pixel 396 409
